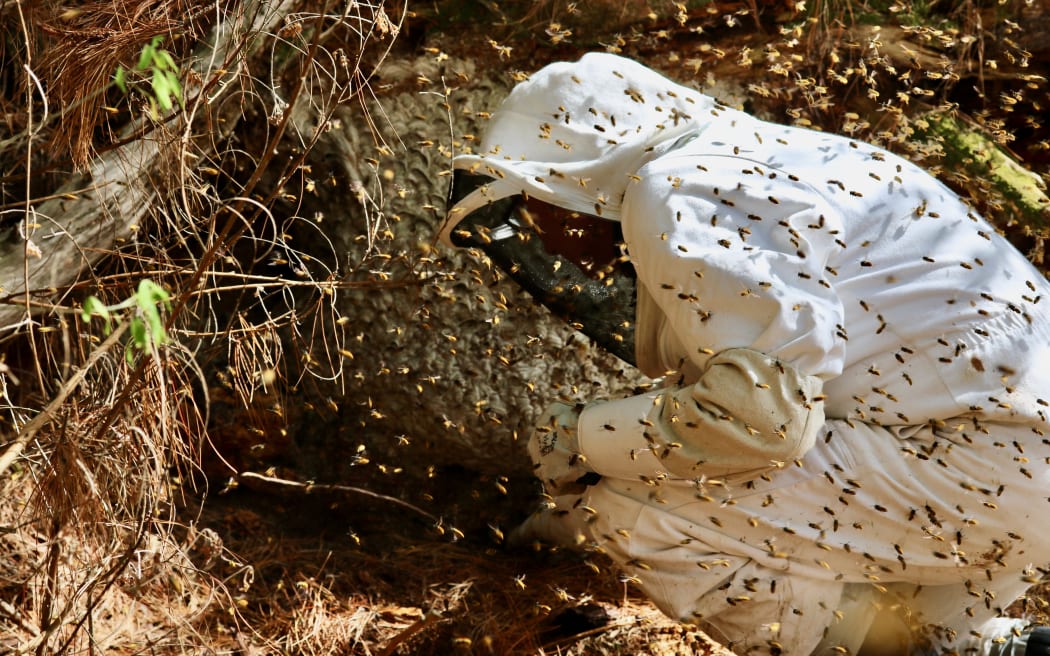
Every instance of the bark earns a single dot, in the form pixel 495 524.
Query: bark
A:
pixel 89 214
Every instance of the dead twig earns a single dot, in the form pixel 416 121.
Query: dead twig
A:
pixel 409 631
pixel 34 425
pixel 330 487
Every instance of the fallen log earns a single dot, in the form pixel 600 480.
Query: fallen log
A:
pixel 63 235
pixel 967 147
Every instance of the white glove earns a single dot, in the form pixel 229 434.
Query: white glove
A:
pixel 555 453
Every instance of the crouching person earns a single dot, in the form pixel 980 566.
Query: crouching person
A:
pixel 854 366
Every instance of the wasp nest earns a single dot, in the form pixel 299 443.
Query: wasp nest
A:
pixel 443 356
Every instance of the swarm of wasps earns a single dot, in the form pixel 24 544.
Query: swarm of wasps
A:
pixel 467 327
pixel 447 361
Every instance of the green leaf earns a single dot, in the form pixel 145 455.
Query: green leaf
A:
pixel 120 79
pixel 176 88
pixel 160 90
pixel 152 293
pixel 94 307
pixel 155 335
pixel 162 59
pixel 148 297
pixel 139 335
pixel 145 57
pixel 145 326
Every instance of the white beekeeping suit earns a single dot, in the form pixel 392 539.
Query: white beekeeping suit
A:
pixel 856 368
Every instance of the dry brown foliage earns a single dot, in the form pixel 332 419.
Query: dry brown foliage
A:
pixel 110 536
pixel 102 435
pixel 77 47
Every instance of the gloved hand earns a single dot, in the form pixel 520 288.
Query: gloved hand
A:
pixel 555 453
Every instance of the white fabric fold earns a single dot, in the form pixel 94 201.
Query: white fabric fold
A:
pixel 611 116
pixel 810 300
pixel 746 413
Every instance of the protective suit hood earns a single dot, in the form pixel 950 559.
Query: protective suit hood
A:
pixel 574 133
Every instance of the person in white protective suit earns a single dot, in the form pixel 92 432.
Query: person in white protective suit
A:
pixel 854 368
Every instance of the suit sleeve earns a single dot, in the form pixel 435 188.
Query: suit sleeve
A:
pixel 747 412
pixel 737 265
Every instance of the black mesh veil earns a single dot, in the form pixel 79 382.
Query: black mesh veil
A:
pixel 600 304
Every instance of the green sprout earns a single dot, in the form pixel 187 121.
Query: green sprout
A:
pixel 160 66
pixel 145 324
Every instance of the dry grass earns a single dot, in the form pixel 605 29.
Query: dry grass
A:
pixel 88 514
pixel 394 586
pixel 77 50
pixel 112 539
pixel 101 436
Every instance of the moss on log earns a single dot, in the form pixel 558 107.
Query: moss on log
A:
pixel 967 147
